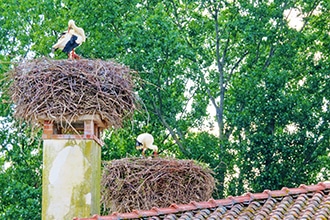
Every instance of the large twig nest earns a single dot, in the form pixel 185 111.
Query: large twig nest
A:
pixel 63 90
pixel 135 183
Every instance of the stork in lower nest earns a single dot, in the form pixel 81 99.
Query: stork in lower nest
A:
pixel 144 142
pixel 70 39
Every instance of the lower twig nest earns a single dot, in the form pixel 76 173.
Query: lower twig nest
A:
pixel 135 183
pixel 62 90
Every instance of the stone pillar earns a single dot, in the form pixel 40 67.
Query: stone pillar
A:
pixel 71 169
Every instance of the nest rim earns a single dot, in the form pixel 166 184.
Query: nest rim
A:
pixel 63 90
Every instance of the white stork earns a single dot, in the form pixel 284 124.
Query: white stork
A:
pixel 70 39
pixel 145 141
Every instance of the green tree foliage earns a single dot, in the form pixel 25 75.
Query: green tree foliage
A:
pixel 267 82
pixel 279 109
pixel 20 174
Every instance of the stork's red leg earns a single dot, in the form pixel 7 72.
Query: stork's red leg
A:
pixel 75 56
pixel 155 154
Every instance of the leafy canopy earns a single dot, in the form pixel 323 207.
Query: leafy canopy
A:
pixel 228 83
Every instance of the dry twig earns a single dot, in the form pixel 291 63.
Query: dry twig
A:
pixel 138 183
pixel 63 90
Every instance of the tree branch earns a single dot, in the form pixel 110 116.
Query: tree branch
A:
pixel 237 63
pixel 167 126
pixel 316 3
pixel 270 55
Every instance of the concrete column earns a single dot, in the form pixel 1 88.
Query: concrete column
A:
pixel 71 179
pixel 71 174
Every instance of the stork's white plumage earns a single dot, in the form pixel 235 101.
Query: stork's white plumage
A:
pixel 71 39
pixel 145 141
pixel 77 31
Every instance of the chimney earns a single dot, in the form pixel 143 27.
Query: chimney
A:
pixel 71 167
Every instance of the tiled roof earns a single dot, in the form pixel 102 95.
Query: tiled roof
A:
pixel 305 202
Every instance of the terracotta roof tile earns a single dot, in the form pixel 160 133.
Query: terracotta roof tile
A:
pixel 304 202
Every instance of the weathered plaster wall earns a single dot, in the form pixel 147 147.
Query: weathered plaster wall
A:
pixel 71 179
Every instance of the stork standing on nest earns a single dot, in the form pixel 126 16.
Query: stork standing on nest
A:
pixel 70 39
pixel 145 141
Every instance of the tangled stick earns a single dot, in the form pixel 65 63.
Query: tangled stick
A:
pixel 139 183
pixel 63 90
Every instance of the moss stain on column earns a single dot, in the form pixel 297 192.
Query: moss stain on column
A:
pixel 72 172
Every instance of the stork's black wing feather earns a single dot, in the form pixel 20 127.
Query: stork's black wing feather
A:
pixel 71 44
